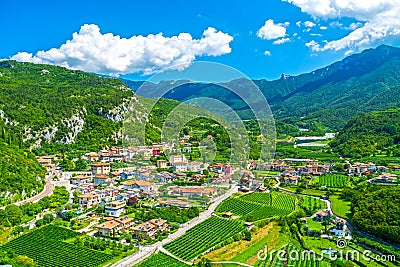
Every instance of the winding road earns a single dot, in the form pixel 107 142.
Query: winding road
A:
pixel 47 191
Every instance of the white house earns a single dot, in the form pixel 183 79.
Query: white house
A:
pixel 115 208
pixel 141 185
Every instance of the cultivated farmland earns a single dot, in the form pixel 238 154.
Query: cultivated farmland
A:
pixel 47 247
pixel 161 260
pixel 333 180
pixel 203 237
pixel 257 205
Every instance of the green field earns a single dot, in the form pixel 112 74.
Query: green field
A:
pixel 160 260
pixel 340 206
pixel 203 237
pixel 311 204
pixel 256 206
pixel 47 247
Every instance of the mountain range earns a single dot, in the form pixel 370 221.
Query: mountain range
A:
pixel 331 95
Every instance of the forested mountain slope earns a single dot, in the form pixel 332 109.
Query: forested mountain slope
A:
pixel 332 95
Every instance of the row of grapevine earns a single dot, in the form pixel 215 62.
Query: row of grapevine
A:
pixel 46 247
pixel 267 212
pixel 238 206
pixel 258 197
pixel 284 201
pixel 161 260
pixel 203 236
pixel 256 206
pixel 333 180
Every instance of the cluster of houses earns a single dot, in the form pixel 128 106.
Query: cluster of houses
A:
pixel 114 226
pixel 100 186
pixel 292 169
pixel 339 229
pixel 385 178
pixel 125 154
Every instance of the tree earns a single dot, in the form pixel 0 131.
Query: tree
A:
pixel 39 223
pixel 76 194
pixel 14 214
pixel 68 216
pixel 81 165
pixel 48 218
pixel 247 235
pixel 24 261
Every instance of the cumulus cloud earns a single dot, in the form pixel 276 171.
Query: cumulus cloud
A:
pixel 281 41
pixel 379 20
pixel 309 24
pixel 267 53
pixel 90 50
pixel 271 31
pixel 323 28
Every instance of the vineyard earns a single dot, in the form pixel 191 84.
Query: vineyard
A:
pixel 333 180
pixel 267 212
pixel 203 237
pixel 284 201
pixel 295 259
pixel 238 206
pixel 256 206
pixel 258 197
pixel 45 245
pixel 160 260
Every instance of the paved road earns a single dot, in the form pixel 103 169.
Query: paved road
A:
pixel 47 190
pixel 146 251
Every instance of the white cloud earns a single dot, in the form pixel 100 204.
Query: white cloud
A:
pixel 323 28
pixel 336 24
pixel 298 23
pixel 92 51
pixel 313 45
pixel 380 20
pixel 267 53
pixel 271 31
pixel 354 26
pixel 281 41
pixel 309 24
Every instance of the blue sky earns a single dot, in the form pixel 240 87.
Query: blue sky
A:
pixel 263 39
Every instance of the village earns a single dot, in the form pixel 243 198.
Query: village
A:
pixel 112 202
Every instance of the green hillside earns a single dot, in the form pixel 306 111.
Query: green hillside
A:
pixel 20 172
pixel 331 95
pixel 50 107
pixel 370 134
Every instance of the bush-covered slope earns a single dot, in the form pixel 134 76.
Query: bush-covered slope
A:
pixel 20 172
pixel 377 211
pixel 48 105
pixel 370 133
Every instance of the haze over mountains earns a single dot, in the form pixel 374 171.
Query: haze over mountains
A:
pixel 332 95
